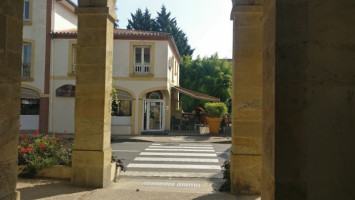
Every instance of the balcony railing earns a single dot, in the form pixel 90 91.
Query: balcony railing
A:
pixel 26 71
pixel 142 69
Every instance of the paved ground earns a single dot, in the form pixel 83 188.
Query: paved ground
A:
pixel 172 159
pixel 143 188
pixel 126 188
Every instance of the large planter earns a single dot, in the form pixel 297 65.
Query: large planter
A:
pixel 214 124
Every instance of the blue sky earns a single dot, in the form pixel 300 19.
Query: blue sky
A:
pixel 206 22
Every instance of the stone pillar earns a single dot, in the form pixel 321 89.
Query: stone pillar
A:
pixel 246 154
pixel 11 23
pixel 92 153
pixel 268 169
pixel 309 82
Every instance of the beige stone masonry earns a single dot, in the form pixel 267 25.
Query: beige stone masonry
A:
pixel 11 24
pixel 92 153
pixel 246 154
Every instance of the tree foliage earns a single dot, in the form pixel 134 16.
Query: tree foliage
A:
pixel 141 21
pixel 162 23
pixel 210 75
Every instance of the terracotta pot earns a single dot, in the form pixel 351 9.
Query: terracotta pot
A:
pixel 214 124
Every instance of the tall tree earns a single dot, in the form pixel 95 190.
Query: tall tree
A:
pixel 163 23
pixel 141 21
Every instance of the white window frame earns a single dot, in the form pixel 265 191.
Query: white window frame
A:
pixel 141 68
pixel 27 20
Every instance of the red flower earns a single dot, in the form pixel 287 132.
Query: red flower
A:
pixel 65 131
pixel 23 133
pixel 56 136
pixel 23 150
pixel 35 134
pixel 29 149
pixel 46 135
pixel 24 139
pixel 19 125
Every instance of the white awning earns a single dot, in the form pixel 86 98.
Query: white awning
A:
pixel 196 95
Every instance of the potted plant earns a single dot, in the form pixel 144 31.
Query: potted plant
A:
pixel 215 112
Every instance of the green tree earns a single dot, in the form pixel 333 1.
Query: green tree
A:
pixel 162 23
pixel 141 21
pixel 211 76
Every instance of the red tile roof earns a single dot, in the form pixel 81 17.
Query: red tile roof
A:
pixel 120 32
pixel 128 34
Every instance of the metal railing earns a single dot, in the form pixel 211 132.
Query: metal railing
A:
pixel 26 71
pixel 142 69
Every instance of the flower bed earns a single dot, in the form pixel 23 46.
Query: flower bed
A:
pixel 39 150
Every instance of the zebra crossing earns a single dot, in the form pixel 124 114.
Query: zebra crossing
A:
pixel 176 160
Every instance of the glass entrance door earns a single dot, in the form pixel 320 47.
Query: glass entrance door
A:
pixel 154 115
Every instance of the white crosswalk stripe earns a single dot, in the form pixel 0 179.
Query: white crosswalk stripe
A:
pixel 173 166
pixel 176 160
pixel 195 150
pixel 178 154
pixel 179 147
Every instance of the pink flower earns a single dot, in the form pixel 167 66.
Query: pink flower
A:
pixel 46 135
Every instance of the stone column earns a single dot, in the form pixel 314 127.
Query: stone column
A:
pixel 92 154
pixel 268 169
pixel 246 154
pixel 11 13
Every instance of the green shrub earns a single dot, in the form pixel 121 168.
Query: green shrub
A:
pixel 216 110
pixel 226 186
pixel 38 152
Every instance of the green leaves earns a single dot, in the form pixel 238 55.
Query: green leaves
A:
pixel 216 110
pixel 162 23
pixel 211 76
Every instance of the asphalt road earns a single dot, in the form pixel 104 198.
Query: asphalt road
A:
pixel 173 159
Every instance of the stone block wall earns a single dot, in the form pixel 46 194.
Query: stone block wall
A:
pixel 11 13
pixel 309 53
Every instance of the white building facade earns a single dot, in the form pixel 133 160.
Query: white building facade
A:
pixel 145 71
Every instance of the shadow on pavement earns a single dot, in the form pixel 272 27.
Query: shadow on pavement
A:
pixel 31 189
pixel 226 196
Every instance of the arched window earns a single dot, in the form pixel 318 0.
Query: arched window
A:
pixel 154 95
pixel 66 91
pixel 123 105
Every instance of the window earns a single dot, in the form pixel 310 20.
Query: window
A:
pixel 27 12
pixel 123 105
pixel 65 91
pixel 30 101
pixel 26 61
pixel 142 59
pixel 72 56
pixel 73 59
pixel 29 106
